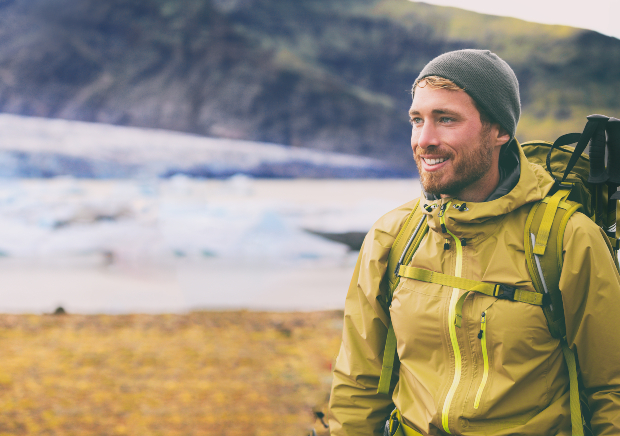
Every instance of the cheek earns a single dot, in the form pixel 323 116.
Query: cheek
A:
pixel 414 138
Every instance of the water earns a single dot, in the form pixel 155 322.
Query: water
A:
pixel 182 244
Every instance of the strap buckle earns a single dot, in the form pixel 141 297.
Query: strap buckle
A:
pixel 504 292
pixel 558 184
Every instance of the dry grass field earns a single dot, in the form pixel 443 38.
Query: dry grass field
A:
pixel 202 373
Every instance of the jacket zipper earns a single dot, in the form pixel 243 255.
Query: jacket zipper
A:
pixel 451 324
pixel 485 357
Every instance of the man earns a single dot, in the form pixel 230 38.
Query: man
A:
pixel 511 380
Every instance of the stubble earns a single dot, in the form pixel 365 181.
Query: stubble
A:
pixel 471 166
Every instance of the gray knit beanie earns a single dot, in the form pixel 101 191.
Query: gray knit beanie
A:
pixel 488 79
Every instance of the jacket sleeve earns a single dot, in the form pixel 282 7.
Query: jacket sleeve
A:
pixel 590 287
pixel 355 406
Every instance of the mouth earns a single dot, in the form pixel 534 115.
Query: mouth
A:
pixel 433 164
pixel 437 161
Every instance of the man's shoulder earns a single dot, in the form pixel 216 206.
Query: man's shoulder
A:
pixel 390 223
pixel 580 226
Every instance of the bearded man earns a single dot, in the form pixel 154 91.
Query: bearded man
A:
pixel 498 371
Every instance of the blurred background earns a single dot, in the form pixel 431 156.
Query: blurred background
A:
pixel 152 150
pixel 168 166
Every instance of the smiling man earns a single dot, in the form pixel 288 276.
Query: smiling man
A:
pixel 470 363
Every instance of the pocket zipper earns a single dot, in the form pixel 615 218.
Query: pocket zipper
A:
pixel 485 357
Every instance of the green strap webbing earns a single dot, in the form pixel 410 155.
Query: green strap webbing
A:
pixel 399 245
pixel 537 280
pixel 547 221
pixel 575 405
pixel 561 229
pixel 398 428
pixel 549 277
pixel 545 270
pixel 490 289
pixel 388 362
pixel 407 241
pixel 562 204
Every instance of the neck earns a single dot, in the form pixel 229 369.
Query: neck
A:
pixel 480 190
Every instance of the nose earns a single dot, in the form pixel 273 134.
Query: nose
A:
pixel 424 136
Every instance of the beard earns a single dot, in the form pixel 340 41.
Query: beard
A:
pixel 473 164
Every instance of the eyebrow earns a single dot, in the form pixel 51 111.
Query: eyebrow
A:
pixel 435 111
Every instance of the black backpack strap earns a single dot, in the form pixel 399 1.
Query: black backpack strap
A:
pixel 613 167
pixel 594 133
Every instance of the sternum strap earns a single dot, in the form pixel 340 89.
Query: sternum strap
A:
pixel 491 289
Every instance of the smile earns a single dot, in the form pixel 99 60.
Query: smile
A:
pixel 434 161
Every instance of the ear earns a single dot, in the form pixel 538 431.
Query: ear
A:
pixel 502 136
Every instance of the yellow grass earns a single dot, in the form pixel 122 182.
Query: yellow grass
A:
pixel 205 373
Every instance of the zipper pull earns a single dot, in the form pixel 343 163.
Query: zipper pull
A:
pixel 446 245
pixel 483 322
pixel 442 209
pixel 463 242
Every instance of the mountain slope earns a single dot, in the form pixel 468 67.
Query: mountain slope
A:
pixel 326 75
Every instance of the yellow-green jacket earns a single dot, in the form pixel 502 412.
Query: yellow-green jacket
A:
pixel 514 381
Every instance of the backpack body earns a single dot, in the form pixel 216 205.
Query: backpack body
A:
pixel 550 217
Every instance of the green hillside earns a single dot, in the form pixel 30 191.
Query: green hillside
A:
pixel 322 74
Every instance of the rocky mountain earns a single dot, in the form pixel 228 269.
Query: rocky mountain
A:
pixel 323 74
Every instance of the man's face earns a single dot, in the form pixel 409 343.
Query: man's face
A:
pixel 455 153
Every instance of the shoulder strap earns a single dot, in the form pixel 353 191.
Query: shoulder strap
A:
pixel 545 227
pixel 405 245
pixel 543 237
pixel 401 245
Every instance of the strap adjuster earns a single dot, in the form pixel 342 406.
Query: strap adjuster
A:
pixel 504 292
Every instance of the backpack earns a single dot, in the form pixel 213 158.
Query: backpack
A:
pixel 582 182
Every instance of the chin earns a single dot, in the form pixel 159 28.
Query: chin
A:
pixel 441 189
pixel 432 185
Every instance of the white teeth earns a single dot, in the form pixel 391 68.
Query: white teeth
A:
pixel 435 161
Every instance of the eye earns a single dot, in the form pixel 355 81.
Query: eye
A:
pixel 415 121
pixel 446 120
